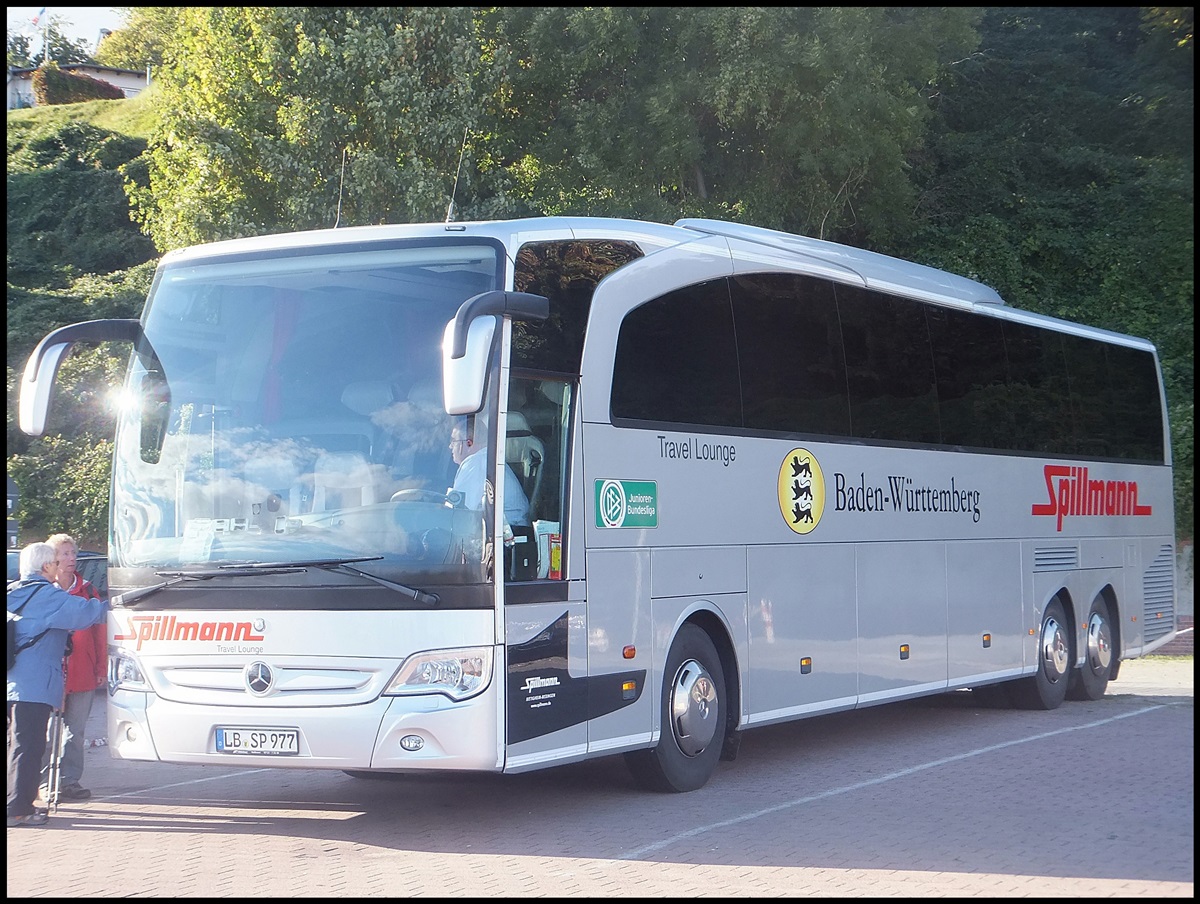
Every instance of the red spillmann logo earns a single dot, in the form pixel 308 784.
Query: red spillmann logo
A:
pixel 1073 492
pixel 144 628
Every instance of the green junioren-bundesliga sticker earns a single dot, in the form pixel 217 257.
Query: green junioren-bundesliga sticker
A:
pixel 626 503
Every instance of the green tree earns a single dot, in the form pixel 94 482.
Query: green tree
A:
pixel 20 51
pixel 1056 172
pixel 62 49
pixel 144 39
pixel 64 486
pixel 67 209
pixel 73 255
pixel 796 118
pixel 304 117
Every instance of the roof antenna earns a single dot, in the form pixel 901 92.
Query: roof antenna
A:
pixel 454 191
pixel 341 184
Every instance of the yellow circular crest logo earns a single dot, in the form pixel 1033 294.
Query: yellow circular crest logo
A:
pixel 801 491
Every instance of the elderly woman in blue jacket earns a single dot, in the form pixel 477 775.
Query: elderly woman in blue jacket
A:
pixel 47 616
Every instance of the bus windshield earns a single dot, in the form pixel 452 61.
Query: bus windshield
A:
pixel 289 408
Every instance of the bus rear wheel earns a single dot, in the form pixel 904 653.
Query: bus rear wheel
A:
pixel 692 717
pixel 1091 680
pixel 1048 688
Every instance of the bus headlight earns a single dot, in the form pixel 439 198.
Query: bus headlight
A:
pixel 458 674
pixel 124 674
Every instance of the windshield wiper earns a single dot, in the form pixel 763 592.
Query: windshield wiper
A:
pixel 177 577
pixel 342 565
pixel 421 596
pixel 123 599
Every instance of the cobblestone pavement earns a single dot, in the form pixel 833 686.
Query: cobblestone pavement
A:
pixel 931 798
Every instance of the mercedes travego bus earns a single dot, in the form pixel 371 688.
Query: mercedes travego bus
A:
pixel 726 477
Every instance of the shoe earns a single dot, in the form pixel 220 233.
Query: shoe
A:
pixel 33 820
pixel 75 791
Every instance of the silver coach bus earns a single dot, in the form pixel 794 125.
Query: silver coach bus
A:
pixel 733 477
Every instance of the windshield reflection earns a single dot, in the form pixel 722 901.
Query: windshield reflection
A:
pixel 302 394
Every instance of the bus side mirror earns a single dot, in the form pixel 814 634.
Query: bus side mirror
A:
pixel 464 377
pixel 42 366
pixel 467 343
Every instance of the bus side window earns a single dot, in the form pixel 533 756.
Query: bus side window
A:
pixel 538 418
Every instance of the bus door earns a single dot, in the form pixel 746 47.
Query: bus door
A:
pixel 545 632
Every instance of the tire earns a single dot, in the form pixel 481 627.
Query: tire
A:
pixel 1090 681
pixel 1048 688
pixel 694 708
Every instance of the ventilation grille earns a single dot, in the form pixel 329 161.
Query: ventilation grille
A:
pixel 1055 558
pixel 1158 591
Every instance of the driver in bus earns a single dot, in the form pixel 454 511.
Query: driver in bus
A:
pixel 469 479
pixel 471 458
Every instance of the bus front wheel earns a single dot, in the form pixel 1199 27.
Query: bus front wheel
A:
pixel 693 718
pixel 1091 680
pixel 1048 688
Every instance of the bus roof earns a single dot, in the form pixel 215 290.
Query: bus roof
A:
pixel 876 271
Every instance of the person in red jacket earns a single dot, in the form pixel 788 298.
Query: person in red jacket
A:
pixel 86 669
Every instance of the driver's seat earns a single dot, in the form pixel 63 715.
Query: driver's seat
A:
pixel 525 454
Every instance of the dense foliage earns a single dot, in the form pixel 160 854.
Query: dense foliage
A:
pixel 53 86
pixel 142 43
pixel 1048 152
pixel 1059 170
pixel 73 254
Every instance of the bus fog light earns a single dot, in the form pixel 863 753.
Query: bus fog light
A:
pixel 412 743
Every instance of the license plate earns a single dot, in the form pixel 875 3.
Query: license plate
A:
pixel 259 741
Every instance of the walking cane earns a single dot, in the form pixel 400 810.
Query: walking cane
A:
pixel 54 771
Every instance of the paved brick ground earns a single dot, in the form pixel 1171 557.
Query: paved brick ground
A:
pixel 1183 644
pixel 207 832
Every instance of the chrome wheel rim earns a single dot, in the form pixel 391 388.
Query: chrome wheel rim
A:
pixel 693 708
pixel 1055 650
pixel 1099 644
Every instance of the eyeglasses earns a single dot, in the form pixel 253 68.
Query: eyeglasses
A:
pixel 457 442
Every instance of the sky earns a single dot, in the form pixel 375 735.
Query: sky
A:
pixel 74 21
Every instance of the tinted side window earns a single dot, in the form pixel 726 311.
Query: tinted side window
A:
pixel 790 348
pixel 1038 384
pixel 1091 398
pixel 567 274
pixel 972 378
pixel 676 360
pixel 1136 407
pixel 889 367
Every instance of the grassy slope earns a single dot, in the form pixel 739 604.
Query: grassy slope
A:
pixel 132 116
